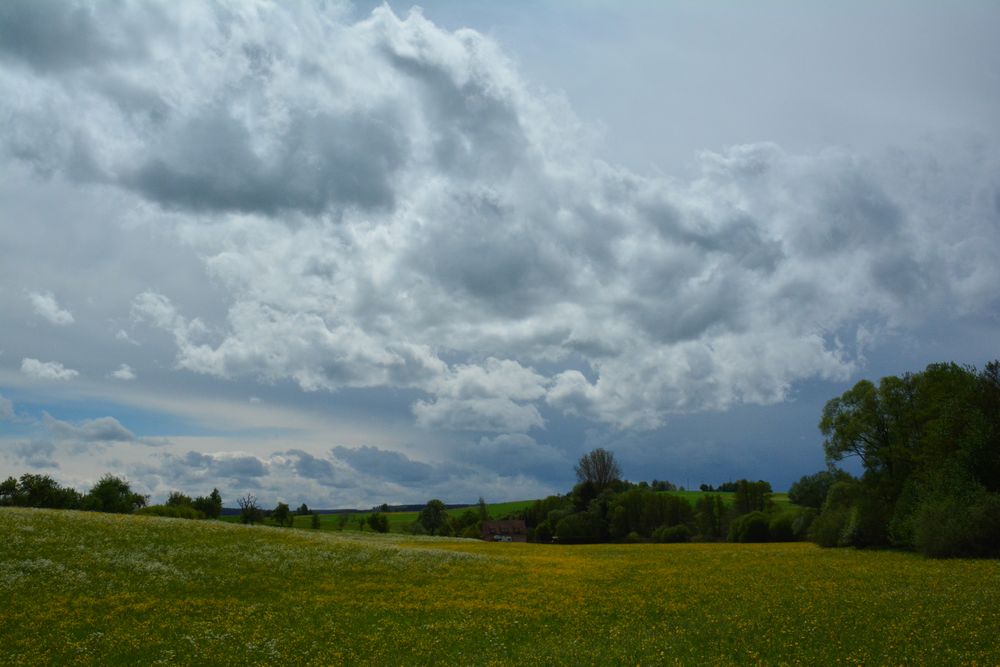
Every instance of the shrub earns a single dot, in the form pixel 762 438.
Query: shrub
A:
pixel 958 524
pixel 250 513
pixel 178 499
pixel 580 527
pixel 378 522
pixel 543 532
pixel 711 517
pixel 211 505
pixel 282 515
pixel 113 494
pixel 752 527
pixel 828 529
pixel 38 491
pixel 672 534
pixel 633 538
pixel 803 522
pixel 811 490
pixel 868 520
pixel 314 522
pixel 780 528
pixel 172 511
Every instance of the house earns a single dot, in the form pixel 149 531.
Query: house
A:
pixel 507 530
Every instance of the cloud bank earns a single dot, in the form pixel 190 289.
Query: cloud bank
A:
pixel 386 205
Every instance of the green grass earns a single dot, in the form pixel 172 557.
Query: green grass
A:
pixel 780 500
pixel 92 589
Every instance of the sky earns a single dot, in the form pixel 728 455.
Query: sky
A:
pixel 347 254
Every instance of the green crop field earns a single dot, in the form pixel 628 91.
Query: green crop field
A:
pixel 398 521
pixel 780 500
pixel 81 588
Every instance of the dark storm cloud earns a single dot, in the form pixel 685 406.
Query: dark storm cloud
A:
pixel 103 429
pixel 52 35
pixel 207 163
pixel 475 131
pixel 236 466
pixel 100 431
pixel 318 469
pixel 35 453
pixel 385 464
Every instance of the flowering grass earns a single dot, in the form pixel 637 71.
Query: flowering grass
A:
pixel 79 588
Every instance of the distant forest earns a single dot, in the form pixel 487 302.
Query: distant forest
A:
pixel 928 442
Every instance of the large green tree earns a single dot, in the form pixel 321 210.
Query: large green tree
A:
pixel 929 443
pixel 113 494
pixel 598 468
pixel 433 517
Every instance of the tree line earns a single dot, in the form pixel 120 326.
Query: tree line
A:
pixel 929 446
pixel 603 507
pixel 110 494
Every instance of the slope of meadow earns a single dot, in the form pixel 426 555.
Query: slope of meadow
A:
pixel 81 588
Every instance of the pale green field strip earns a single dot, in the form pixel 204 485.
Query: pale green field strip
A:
pixel 398 521
pixel 92 589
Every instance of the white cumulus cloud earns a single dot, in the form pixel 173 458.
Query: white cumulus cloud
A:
pixel 385 204
pixel 45 305
pixel 46 370
pixel 124 372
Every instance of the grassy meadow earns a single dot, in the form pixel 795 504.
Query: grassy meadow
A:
pixel 83 588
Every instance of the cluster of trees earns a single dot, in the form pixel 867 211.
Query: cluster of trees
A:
pixel 109 494
pixel 603 507
pixel 181 506
pixel 434 519
pixel 929 445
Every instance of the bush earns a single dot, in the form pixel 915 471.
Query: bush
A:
pixel 828 529
pixel 811 490
pixel 867 522
pixel 282 515
pixel 752 527
pixel 580 527
pixel 633 538
pixel 172 511
pixel 378 522
pixel 543 532
pixel 803 522
pixel 178 499
pixel 210 506
pixel 781 527
pixel 958 524
pixel 113 494
pixel 672 534
pixel 38 491
pixel 711 517
pixel 250 513
pixel 314 522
